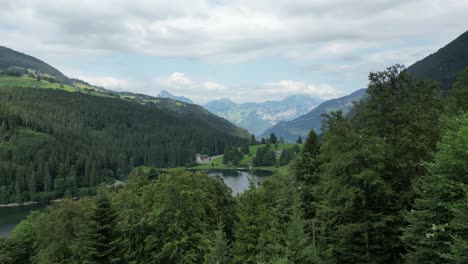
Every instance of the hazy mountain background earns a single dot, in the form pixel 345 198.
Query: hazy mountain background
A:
pixel 257 117
pixel 166 94
pixel 300 127
pixel 441 66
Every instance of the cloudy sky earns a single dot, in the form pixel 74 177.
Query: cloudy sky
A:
pixel 244 50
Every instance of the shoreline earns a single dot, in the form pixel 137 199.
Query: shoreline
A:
pixel 17 204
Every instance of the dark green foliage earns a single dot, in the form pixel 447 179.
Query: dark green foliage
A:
pixel 103 232
pixel 271 227
pixel 233 156
pixel 220 249
pixel 460 90
pixel 173 218
pixel 444 65
pixel 55 143
pixel 273 138
pixel 438 230
pixel 354 196
pixel 264 156
pixel 253 140
pixel 10 58
pixel 368 167
pixel 299 140
pixel 245 149
pixel 287 155
pixel 170 219
pixel 306 171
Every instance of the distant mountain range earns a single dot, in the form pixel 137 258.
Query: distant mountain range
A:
pixel 256 117
pixel 442 66
pixel 166 94
pixel 300 127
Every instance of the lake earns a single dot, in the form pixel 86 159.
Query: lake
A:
pixel 11 216
pixel 237 180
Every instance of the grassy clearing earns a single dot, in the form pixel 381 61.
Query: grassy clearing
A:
pixel 27 82
pixel 247 160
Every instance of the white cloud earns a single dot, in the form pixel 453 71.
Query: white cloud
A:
pixel 202 91
pixel 221 31
pixel 176 80
pixel 108 82
pixel 341 39
pixel 285 87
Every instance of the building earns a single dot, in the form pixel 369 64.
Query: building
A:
pixel 201 158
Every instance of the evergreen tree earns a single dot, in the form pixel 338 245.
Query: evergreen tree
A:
pixel 220 250
pixel 437 230
pixel 351 210
pixel 273 138
pixel 299 140
pixel 253 141
pixel 404 114
pixel 103 231
pixel 306 171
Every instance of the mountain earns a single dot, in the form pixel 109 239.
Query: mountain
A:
pixel 166 94
pixel 61 139
pixel 444 65
pixel 12 59
pixel 256 117
pixel 291 130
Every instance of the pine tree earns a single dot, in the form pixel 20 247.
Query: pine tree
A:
pixel 404 113
pixel 351 209
pixel 273 138
pixel 437 230
pixel 253 141
pixel 306 171
pixel 299 140
pixel 220 250
pixel 103 228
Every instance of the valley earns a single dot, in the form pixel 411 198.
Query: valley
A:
pixel 226 132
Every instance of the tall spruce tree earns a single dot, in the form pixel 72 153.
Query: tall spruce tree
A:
pixel 437 230
pixel 306 171
pixel 103 231
pixel 351 210
pixel 404 113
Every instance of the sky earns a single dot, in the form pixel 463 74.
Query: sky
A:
pixel 242 50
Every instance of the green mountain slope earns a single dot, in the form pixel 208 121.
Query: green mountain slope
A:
pixel 300 127
pixel 10 58
pixel 444 65
pixel 54 142
pixel 65 138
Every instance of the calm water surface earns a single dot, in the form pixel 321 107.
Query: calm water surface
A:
pixel 11 216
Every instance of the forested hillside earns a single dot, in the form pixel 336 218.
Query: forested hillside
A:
pixel 445 64
pixel 55 143
pixel 10 58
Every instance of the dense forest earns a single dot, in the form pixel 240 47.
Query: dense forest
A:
pixel 55 143
pixel 387 185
